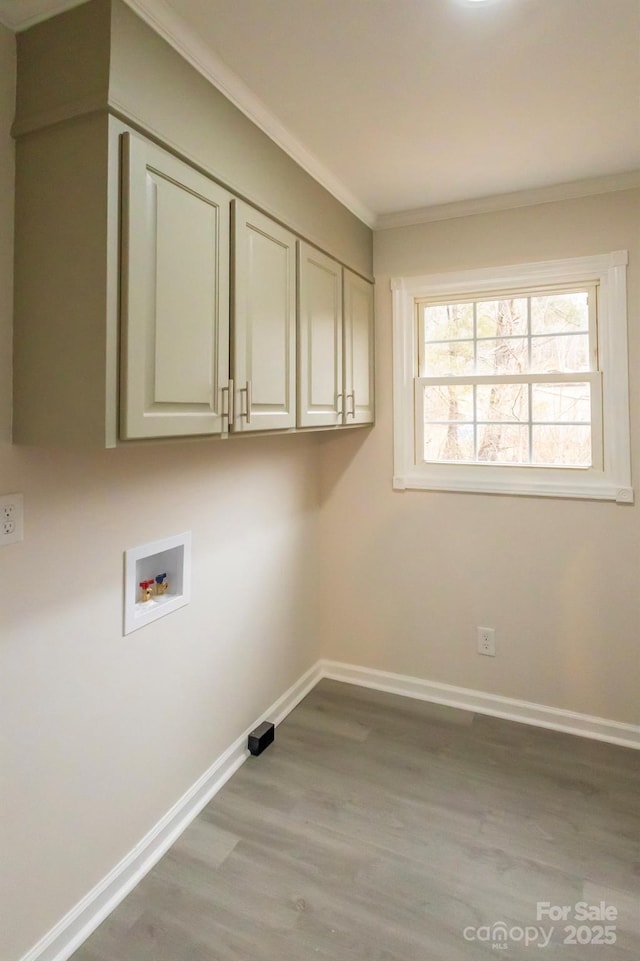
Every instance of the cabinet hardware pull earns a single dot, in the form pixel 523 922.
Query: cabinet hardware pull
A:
pixel 339 404
pixel 352 412
pixel 224 413
pixel 227 409
pixel 247 392
pixel 228 413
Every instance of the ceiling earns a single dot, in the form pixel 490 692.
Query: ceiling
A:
pixel 404 104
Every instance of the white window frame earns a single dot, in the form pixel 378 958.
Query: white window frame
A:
pixel 610 476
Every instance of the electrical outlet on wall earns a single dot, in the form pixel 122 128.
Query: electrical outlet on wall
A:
pixel 11 518
pixel 487 641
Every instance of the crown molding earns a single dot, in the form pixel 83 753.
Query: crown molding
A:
pixel 571 190
pixel 172 28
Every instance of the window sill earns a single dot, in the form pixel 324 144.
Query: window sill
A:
pixel 488 480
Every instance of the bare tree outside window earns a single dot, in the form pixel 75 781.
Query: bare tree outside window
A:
pixel 485 399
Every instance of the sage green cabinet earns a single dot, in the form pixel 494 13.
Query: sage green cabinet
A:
pixel 358 349
pixel 121 271
pixel 175 296
pixel 263 322
pixel 151 303
pixel 320 392
pixel 335 343
pixel 67 284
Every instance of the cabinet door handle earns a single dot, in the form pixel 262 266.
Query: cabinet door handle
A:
pixel 247 392
pixel 339 404
pixel 352 412
pixel 231 413
pixel 224 414
pixel 228 413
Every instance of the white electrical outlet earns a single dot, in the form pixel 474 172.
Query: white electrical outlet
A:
pixel 11 518
pixel 487 641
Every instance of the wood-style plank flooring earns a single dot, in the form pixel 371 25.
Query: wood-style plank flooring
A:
pixel 379 828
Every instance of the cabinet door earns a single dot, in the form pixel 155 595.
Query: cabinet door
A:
pixel 175 296
pixel 358 350
pixel 264 322
pixel 320 394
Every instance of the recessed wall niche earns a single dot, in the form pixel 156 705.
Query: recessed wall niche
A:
pixel 157 580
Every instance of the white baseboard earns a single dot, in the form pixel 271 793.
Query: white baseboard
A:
pixel 70 932
pixel 76 926
pixel 526 712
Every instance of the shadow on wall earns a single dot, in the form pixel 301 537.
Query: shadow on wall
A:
pixel 337 452
pixel 82 510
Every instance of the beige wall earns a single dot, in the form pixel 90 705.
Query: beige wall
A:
pixel 413 573
pixel 104 732
pixel 7 104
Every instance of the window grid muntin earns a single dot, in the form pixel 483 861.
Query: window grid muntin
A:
pixel 528 293
pixel 550 377
pixel 473 340
pixel 591 378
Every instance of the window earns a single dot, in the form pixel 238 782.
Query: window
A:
pixel 514 380
pixel 510 379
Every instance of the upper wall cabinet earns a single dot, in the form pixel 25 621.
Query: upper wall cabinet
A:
pixel 139 292
pixel 358 349
pixel 263 322
pixel 67 284
pixel 174 296
pixel 335 343
pixel 320 393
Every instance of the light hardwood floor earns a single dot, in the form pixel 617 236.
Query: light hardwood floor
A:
pixel 378 828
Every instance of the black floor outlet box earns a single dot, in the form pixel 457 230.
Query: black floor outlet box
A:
pixel 261 738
